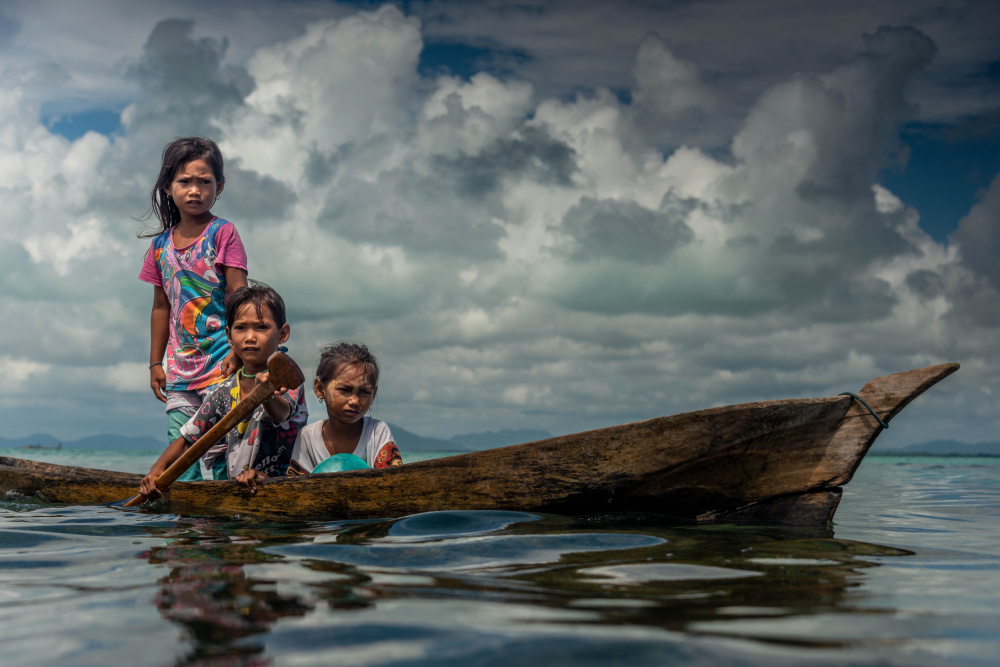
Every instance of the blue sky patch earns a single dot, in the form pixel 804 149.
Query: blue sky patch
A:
pixel 464 60
pixel 74 126
pixel 946 173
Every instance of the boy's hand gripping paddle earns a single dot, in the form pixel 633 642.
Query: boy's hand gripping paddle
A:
pixel 281 372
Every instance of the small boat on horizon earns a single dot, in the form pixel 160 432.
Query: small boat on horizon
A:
pixel 782 461
pixel 39 445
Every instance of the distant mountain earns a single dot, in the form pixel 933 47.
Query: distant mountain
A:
pixel 944 448
pixel 111 441
pixel 469 442
pixel 103 441
pixel 491 439
pixel 43 439
pixel 407 441
pixel 411 442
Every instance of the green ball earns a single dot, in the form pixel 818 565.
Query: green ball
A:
pixel 339 462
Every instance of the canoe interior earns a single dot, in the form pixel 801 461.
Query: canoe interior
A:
pixel 779 460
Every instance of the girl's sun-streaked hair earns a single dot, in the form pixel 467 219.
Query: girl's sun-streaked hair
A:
pixel 336 357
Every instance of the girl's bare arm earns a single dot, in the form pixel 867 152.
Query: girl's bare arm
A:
pixel 159 331
pixel 235 279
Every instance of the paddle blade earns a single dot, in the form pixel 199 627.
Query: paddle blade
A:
pixel 283 372
pixel 132 502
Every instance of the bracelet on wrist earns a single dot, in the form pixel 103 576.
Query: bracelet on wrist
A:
pixel 155 363
pixel 268 400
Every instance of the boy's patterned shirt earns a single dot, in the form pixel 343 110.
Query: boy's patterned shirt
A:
pixel 257 442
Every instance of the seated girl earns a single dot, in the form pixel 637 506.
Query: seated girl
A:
pixel 346 383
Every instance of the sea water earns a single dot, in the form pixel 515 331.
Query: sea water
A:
pixel 908 575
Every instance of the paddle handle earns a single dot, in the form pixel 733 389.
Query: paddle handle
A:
pixel 240 412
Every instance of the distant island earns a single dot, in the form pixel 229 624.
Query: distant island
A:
pixel 942 448
pixel 102 441
pixel 407 441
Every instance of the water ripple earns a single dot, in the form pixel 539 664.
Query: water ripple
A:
pixel 499 551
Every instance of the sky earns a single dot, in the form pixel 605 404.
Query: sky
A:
pixel 550 215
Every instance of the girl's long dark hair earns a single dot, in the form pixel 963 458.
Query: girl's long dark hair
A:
pixel 175 155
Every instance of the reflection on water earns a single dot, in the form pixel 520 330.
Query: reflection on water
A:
pixel 209 592
pixel 98 585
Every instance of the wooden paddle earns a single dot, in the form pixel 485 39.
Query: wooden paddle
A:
pixel 282 372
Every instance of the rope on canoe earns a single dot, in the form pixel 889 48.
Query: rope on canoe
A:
pixel 862 402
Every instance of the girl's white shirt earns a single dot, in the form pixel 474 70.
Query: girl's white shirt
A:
pixel 310 450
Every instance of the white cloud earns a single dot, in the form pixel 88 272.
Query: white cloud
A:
pixel 17 371
pixel 343 81
pixel 87 238
pixel 124 378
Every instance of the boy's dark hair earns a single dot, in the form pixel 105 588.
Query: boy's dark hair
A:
pixel 176 154
pixel 335 357
pixel 259 295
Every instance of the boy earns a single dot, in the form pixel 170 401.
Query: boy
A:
pixel 256 328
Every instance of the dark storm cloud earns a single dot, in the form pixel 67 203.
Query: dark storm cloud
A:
pixel 873 97
pixel 830 294
pixel 850 114
pixel 978 235
pixel 184 81
pixel 321 167
pixel 255 198
pixel 623 229
pixel 449 208
pixel 412 211
pixel 927 284
pixel 534 155
pixel 975 305
pixel 824 280
pixel 977 302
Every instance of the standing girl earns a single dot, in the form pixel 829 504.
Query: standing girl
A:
pixel 194 262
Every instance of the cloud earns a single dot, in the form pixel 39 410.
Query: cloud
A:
pixel 17 371
pixel 86 238
pixel 978 235
pixel 625 230
pixel 977 300
pixel 184 81
pixel 516 249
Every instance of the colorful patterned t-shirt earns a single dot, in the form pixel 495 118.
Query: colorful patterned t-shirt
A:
pixel 195 283
pixel 257 442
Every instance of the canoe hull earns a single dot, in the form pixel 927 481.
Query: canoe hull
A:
pixel 769 461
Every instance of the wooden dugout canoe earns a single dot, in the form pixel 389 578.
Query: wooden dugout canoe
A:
pixel 783 461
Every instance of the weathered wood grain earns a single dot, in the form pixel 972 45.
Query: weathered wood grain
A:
pixel 770 461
